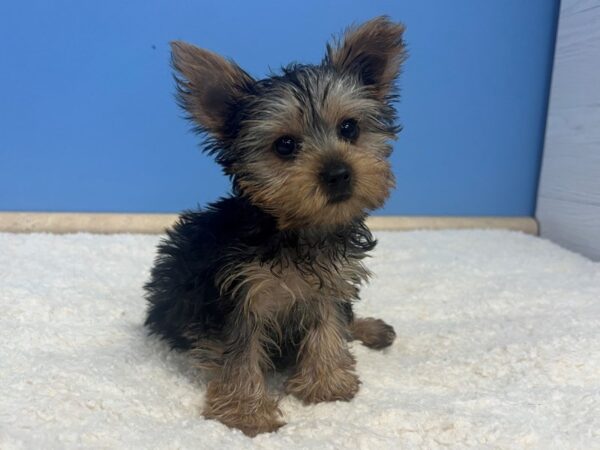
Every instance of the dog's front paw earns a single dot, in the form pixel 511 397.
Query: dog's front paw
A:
pixel 250 414
pixel 251 425
pixel 326 386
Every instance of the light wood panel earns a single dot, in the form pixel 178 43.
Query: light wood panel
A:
pixel 568 208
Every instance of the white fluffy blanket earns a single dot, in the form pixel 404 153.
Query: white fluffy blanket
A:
pixel 498 347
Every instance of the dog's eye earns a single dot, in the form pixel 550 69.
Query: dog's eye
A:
pixel 349 130
pixel 285 147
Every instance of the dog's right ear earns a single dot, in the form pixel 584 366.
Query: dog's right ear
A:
pixel 208 86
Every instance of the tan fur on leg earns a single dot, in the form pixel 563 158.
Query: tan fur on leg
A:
pixel 373 333
pixel 325 371
pixel 238 397
pixel 243 404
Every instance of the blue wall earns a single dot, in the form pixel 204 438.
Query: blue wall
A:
pixel 88 121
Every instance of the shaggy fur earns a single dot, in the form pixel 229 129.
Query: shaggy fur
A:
pixel 265 278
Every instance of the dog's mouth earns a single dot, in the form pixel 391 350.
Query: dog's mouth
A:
pixel 338 198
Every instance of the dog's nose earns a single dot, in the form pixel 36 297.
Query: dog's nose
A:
pixel 337 180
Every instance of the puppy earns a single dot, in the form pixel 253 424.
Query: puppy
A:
pixel 265 278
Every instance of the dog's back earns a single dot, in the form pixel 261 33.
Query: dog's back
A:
pixel 185 303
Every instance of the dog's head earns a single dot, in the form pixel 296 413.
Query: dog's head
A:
pixel 309 145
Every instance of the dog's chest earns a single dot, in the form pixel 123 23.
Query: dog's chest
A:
pixel 277 285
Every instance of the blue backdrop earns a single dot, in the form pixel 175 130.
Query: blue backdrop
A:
pixel 88 121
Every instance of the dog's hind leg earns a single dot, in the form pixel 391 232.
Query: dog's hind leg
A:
pixel 373 333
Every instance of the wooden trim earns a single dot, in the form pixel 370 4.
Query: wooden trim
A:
pixel 107 223
pixel 525 224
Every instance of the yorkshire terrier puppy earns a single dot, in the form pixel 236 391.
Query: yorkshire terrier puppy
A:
pixel 265 278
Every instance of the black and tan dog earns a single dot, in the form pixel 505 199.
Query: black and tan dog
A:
pixel 265 278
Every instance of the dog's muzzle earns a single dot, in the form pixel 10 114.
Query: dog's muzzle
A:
pixel 336 178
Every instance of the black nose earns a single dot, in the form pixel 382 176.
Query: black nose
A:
pixel 337 180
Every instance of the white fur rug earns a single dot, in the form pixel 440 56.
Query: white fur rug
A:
pixel 498 347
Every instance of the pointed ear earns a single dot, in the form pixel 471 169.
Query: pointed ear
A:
pixel 372 51
pixel 208 86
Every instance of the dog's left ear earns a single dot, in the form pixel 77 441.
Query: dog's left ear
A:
pixel 373 51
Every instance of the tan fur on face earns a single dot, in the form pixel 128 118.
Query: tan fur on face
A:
pixel 291 190
pixel 296 198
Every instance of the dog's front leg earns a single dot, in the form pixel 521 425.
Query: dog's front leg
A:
pixel 325 370
pixel 238 396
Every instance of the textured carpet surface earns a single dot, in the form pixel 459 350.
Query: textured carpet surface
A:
pixel 498 347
